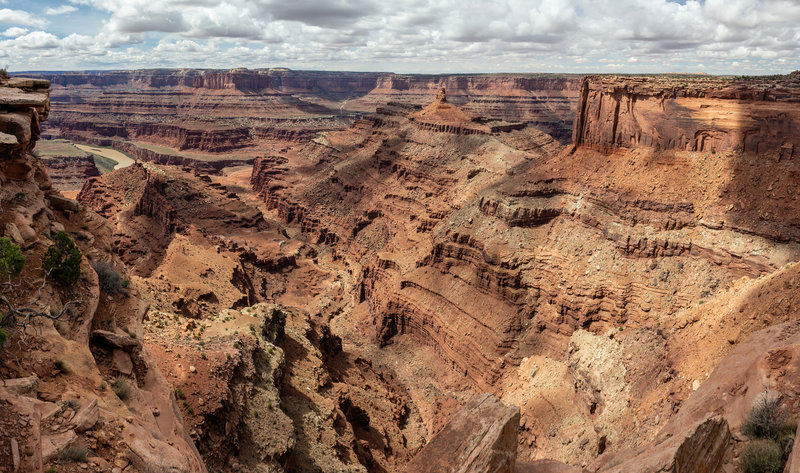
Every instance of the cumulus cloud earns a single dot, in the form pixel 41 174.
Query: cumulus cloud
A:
pixel 34 40
pixel 14 31
pixel 63 9
pixel 20 17
pixel 761 36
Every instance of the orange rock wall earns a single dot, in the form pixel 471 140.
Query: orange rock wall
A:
pixel 691 115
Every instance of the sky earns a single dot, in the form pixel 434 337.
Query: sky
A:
pixel 405 36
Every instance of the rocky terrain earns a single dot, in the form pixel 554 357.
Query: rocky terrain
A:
pixel 436 287
pixel 69 343
pixel 591 264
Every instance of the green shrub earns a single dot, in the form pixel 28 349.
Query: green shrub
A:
pixel 121 388
pixel 761 456
pixel 766 419
pixel 62 260
pixel 74 454
pixel 11 258
pixel 4 73
pixel 52 469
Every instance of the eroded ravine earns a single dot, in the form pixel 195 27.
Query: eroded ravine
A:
pixel 594 286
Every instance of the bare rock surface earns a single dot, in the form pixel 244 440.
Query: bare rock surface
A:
pixel 480 438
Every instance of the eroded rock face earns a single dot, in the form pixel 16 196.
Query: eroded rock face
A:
pixel 480 438
pixel 62 396
pixel 593 286
pixel 68 173
pixel 689 114
pixel 498 250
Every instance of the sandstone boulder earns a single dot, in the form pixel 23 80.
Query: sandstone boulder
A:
pixel 21 386
pixel 62 203
pixel 8 140
pixel 52 444
pixel 87 416
pixel 114 340
pixel 17 170
pixel 705 448
pixel 28 437
pixel 702 450
pixel 545 466
pixel 11 231
pixel 121 361
pixel 480 438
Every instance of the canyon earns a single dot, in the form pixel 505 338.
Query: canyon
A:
pixel 206 116
pixel 378 272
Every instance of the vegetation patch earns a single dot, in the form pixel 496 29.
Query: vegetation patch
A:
pixel 110 281
pixel 77 454
pixel 62 260
pixel 762 456
pixel 121 388
pixel 11 258
pixel 773 434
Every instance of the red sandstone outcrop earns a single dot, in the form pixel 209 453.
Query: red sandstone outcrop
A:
pixel 689 114
pixel 504 256
pixel 444 117
pixel 282 392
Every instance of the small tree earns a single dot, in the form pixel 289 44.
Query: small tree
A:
pixel 62 260
pixel 11 258
pixel 766 419
pixel 11 263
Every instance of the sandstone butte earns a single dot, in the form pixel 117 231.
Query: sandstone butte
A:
pixel 448 285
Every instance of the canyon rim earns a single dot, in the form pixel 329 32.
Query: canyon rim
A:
pixel 206 267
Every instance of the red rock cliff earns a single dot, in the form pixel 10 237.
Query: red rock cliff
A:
pixel 689 114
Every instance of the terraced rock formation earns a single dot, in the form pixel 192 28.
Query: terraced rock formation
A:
pixel 206 115
pixel 561 279
pixel 259 385
pixel 349 302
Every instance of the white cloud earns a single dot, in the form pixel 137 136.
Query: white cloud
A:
pixel 14 31
pixel 34 40
pixel 424 36
pixel 20 17
pixel 60 10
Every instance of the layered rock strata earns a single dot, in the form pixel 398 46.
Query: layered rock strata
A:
pixel 690 114
pixel 266 386
pixel 507 255
pixel 68 173
pixel 256 112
